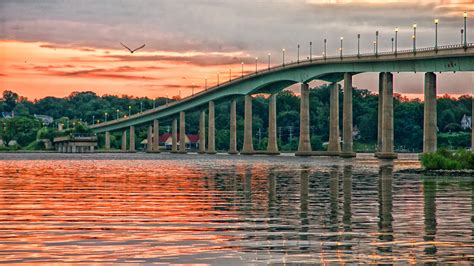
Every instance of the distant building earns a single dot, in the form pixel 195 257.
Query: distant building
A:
pixel 8 114
pixel 47 120
pixel 355 133
pixel 466 122
pixel 165 142
pixel 76 143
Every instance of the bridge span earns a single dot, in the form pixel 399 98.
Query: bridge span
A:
pixel 454 58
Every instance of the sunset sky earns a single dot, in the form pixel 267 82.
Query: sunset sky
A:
pixel 55 47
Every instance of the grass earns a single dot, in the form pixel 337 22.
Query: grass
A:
pixel 448 160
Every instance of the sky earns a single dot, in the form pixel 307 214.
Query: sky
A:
pixel 55 47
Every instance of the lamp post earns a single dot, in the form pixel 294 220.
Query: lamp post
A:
pixel 256 64
pixel 358 45
pixel 141 106
pixel 462 36
pixel 436 21
pixel 283 52
pixel 242 68
pixel 340 49
pixel 129 110
pixel 310 51
pixel 325 48
pixel 230 74
pixel 106 114
pixel 93 119
pixel 218 78
pixel 269 54
pixel 376 43
pixel 392 44
pixel 298 55
pixel 414 38
pixel 465 29
pixel 118 111
pixel 396 40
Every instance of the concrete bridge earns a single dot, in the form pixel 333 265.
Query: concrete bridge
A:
pixel 454 58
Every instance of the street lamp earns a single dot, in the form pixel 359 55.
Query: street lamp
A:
pixel 358 45
pixel 462 36
pixel 298 57
pixel 376 43
pixel 218 78
pixel 118 111
pixel 129 110
pixel 310 51
pixel 242 68
pixel 269 54
pixel 283 52
pixel 436 21
pixel 93 119
pixel 392 44
pixel 106 114
pixel 414 38
pixel 141 104
pixel 256 63
pixel 325 48
pixel 396 40
pixel 340 49
pixel 465 29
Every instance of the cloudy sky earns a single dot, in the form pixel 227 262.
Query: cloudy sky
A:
pixel 54 47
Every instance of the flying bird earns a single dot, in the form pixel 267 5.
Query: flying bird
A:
pixel 131 51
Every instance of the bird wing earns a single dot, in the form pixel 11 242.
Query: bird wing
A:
pixel 138 48
pixel 126 47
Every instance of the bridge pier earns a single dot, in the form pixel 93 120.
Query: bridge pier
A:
pixel 107 140
pixel 149 139
pixel 430 115
pixel 124 140
pixel 174 136
pixel 347 120
pixel 248 140
pixel 211 138
pixel 202 132
pixel 380 115
pixel 182 132
pixel 272 146
pixel 304 146
pixel 387 119
pixel 156 136
pixel 233 128
pixel 132 138
pixel 334 147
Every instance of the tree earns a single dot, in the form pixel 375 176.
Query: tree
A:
pixel 10 99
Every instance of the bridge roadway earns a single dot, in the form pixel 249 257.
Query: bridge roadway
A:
pixel 454 58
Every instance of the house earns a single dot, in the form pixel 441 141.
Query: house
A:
pixel 466 122
pixel 47 120
pixel 8 114
pixel 166 143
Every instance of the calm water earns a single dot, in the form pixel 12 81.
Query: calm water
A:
pixel 233 210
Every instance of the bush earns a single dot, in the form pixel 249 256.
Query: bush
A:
pixel 446 160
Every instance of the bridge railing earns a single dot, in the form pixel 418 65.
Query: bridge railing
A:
pixel 315 59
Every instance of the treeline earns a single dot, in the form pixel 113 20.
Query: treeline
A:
pixel 83 107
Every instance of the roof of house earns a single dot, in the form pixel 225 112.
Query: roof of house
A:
pixel 192 138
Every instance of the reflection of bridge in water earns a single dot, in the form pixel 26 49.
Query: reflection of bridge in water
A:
pixel 454 58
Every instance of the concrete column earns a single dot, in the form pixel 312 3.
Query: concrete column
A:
pixel 272 146
pixel 380 113
pixel 248 141
pixel 334 146
pixel 73 148
pixel 107 140
pixel 182 132
pixel 233 127
pixel 124 140
pixel 156 136
pixel 202 132
pixel 149 139
pixel 132 138
pixel 387 119
pixel 174 136
pixel 430 115
pixel 304 147
pixel 91 149
pixel 347 118
pixel 211 138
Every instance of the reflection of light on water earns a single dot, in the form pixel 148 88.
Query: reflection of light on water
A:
pixel 187 211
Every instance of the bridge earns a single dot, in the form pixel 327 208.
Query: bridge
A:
pixel 453 58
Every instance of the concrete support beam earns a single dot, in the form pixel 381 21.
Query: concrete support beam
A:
pixel 174 136
pixel 334 145
pixel 304 146
pixel 233 127
pixel 248 140
pixel 380 113
pixel 124 140
pixel 202 132
pixel 430 114
pixel 132 138
pixel 107 140
pixel 272 146
pixel 156 136
pixel 347 121
pixel 182 132
pixel 211 138
pixel 149 139
pixel 387 119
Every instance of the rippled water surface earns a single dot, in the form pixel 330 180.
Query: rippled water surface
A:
pixel 229 210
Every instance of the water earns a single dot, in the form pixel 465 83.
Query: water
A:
pixel 228 210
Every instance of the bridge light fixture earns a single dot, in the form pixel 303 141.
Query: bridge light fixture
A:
pixel 118 111
pixel 298 55
pixel 310 51
pixel 129 110
pixel 325 48
pixel 242 63
pixel 106 114
pixel 414 38
pixel 358 45
pixel 283 53
pixel 269 55
pixel 396 40
pixel 340 49
pixel 376 43
pixel 436 21
pixel 256 64
pixel 465 30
